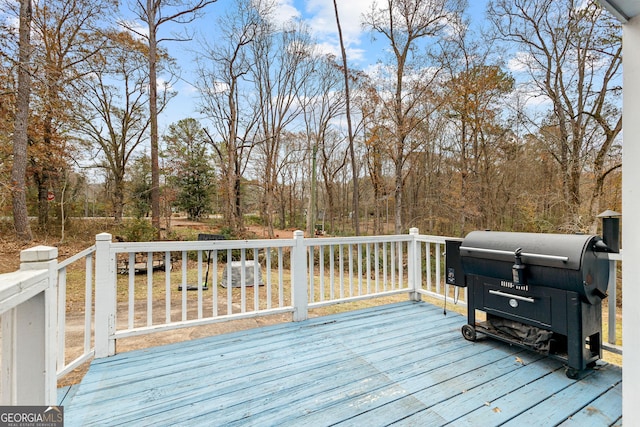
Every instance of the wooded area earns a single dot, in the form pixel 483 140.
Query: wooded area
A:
pixel 514 124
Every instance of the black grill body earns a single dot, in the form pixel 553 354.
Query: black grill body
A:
pixel 539 291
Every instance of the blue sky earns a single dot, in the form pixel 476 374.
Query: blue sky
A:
pixel 319 15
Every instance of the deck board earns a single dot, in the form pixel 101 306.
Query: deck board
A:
pixel 403 363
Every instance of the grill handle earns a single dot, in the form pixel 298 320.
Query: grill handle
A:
pixel 506 295
pixel 510 253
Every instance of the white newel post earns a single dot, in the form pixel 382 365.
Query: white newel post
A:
pixel 29 332
pixel 414 265
pixel 299 297
pixel 105 297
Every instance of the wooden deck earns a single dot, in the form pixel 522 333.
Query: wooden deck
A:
pixel 404 364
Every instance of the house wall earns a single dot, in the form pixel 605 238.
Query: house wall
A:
pixel 631 227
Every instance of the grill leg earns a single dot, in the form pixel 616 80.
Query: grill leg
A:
pixel 584 340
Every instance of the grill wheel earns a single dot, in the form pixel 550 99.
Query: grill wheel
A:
pixel 469 333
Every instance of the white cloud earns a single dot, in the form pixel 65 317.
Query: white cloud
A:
pixel 529 96
pixel 520 62
pixel 163 84
pixel 320 16
pixel 285 12
pixel 333 48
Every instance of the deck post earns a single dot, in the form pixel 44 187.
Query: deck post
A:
pixel 299 297
pixel 413 265
pixel 29 334
pixel 105 297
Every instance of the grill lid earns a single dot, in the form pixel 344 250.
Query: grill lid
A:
pixel 548 250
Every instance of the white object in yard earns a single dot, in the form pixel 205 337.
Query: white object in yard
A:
pixel 250 278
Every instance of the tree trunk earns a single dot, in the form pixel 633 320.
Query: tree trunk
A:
pixel 20 137
pixel 398 196
pixel 352 154
pixel 153 117
pixel 312 211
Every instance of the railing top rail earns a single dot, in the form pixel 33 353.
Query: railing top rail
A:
pixel 18 286
pixel 76 257
pixel 354 240
pixel 433 239
pixel 615 256
pixel 195 245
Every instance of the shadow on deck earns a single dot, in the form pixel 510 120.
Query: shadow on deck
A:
pixel 404 364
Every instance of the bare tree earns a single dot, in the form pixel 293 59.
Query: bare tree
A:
pixel 474 92
pixel 68 35
pixel 404 24
pixel 224 70
pixel 156 13
pixel 20 137
pixel 354 167
pixel 323 101
pixel 281 64
pixel 572 53
pixel 114 118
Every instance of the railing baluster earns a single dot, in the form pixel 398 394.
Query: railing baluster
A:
pixel 256 281
pixel 229 283
pixel 149 288
pixel 613 298
pixel 214 279
pixel 62 316
pixel 88 302
pixel 268 272
pixel 243 279
pixel 184 285
pixel 132 272
pixel 312 292
pixel 199 284
pixel 281 277
pixel 384 267
pixel 376 257
pixel 392 249
pixel 438 277
pixel 350 248
pixel 400 265
pixel 341 261
pixel 321 271
pixel 428 262
pixel 331 272
pixel 359 269
pixel 368 265
pixel 167 287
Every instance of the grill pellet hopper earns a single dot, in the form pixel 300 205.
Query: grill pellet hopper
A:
pixel 539 291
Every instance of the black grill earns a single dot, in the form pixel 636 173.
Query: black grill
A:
pixel 539 291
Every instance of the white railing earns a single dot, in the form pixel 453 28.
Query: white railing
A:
pixel 159 286
pixel 171 293
pixel 612 312
pixel 124 290
pixel 28 318
pixel 75 316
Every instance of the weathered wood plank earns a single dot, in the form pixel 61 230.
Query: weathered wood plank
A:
pixel 241 350
pixel 575 397
pixel 472 399
pixel 323 357
pixel 400 397
pixel 403 363
pixel 145 368
pixel 434 386
pixel 605 410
